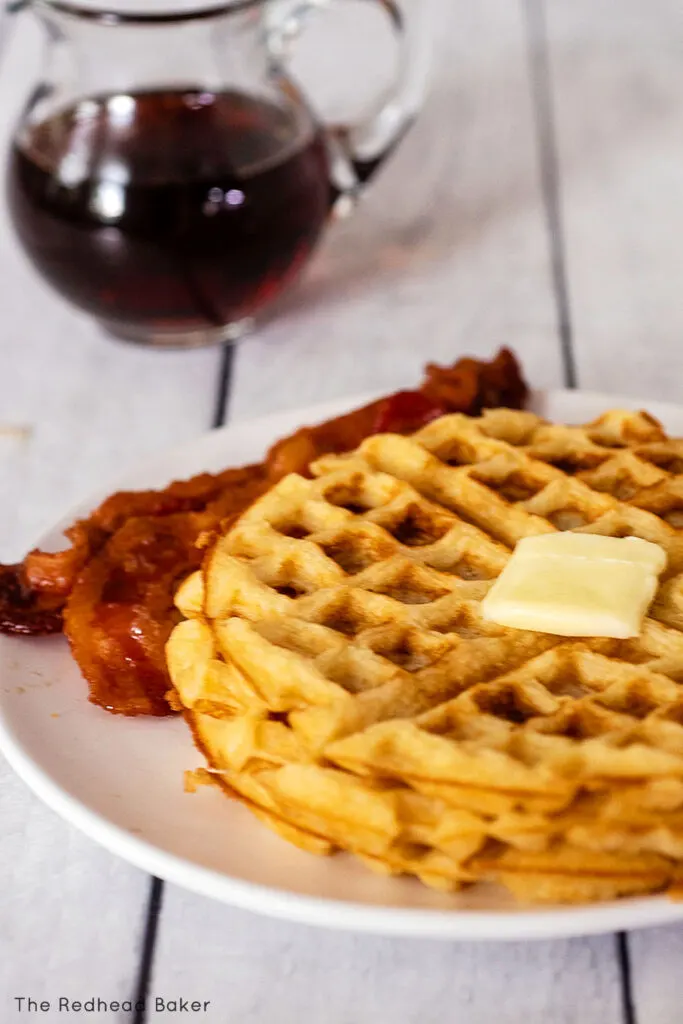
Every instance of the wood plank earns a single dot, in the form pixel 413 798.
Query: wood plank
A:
pixel 618 81
pixel 656 956
pixel 270 972
pixel 448 255
pixel 72 915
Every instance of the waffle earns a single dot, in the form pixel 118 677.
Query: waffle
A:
pixel 336 670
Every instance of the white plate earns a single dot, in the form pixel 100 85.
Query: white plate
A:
pixel 120 780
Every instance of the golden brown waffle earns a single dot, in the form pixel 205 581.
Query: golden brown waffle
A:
pixel 337 672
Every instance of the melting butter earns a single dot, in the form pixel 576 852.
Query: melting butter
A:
pixel 577 584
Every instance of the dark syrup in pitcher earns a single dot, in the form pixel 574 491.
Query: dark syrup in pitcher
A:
pixel 170 210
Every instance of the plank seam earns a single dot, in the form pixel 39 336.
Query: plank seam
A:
pixel 223 390
pixel 624 960
pixel 156 892
pixel 154 904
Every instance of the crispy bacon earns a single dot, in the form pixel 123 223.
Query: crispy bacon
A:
pixel 112 589
pixel 28 611
pixel 47 578
pixel 120 612
pixel 411 409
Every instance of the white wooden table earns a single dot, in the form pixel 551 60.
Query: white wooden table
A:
pixel 538 203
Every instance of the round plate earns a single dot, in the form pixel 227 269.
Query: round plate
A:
pixel 121 780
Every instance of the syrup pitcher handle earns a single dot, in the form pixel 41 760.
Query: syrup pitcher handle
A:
pixel 358 150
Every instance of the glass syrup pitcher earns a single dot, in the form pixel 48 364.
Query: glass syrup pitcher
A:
pixel 168 175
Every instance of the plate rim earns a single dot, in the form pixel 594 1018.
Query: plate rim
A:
pixel 276 902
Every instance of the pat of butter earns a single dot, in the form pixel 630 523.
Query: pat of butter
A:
pixel 576 584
